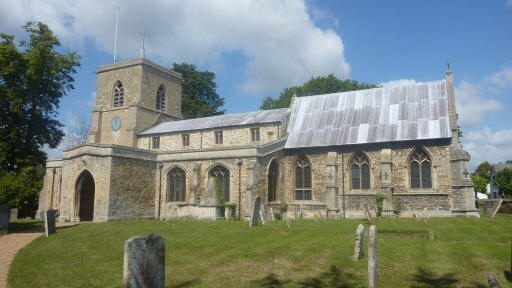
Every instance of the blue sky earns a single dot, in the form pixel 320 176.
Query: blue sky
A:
pixel 258 48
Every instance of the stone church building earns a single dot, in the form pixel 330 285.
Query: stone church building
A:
pixel 325 156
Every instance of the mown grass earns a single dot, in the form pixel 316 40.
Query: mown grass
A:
pixel 309 254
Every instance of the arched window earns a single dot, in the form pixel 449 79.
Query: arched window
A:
pixel 222 174
pixel 420 169
pixel 360 169
pixel 272 181
pixel 160 98
pixel 176 185
pixel 303 179
pixel 118 95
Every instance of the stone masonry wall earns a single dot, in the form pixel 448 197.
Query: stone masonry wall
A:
pixel 232 136
pixel 132 188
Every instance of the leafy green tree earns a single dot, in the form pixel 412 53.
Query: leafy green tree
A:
pixel 480 183
pixel 483 170
pixel 504 182
pixel 315 86
pixel 34 76
pixel 508 162
pixel 199 95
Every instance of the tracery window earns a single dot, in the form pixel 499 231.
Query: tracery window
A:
pixel 303 179
pixel 177 184
pixel 420 167
pixel 360 169
pixel 222 174
pixel 118 96
pixel 160 98
pixel 272 181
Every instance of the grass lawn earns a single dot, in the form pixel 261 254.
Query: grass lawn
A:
pixel 309 254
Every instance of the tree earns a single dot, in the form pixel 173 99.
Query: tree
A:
pixel 504 182
pixel 483 170
pixel 34 76
pixel 508 162
pixel 78 131
pixel 199 98
pixel 315 86
pixel 480 184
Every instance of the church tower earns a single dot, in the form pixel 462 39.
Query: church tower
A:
pixel 132 96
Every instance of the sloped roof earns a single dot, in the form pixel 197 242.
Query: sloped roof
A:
pixel 257 117
pixel 501 167
pixel 408 112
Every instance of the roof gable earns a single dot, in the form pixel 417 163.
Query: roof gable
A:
pixel 384 114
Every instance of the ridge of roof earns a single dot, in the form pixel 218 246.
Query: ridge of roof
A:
pixel 218 121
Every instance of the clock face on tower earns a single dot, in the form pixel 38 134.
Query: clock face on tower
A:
pixel 115 124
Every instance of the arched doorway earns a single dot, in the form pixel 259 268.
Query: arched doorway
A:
pixel 84 197
pixel 272 181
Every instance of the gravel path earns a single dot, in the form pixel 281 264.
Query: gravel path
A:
pixel 10 244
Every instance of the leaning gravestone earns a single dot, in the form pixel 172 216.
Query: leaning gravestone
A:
pixel 14 214
pixel 495 208
pixel 372 257
pixel 255 212
pixel 263 215
pixel 144 262
pixel 4 216
pixel 358 248
pixel 272 216
pixel 49 222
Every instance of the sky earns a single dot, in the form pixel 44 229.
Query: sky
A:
pixel 258 48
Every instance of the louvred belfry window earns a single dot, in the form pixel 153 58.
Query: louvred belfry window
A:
pixel 360 169
pixel 118 97
pixel 303 179
pixel 160 98
pixel 420 170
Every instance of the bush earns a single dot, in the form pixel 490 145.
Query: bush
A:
pixel 380 203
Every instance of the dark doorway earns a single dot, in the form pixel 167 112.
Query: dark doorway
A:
pixel 84 200
pixel 272 181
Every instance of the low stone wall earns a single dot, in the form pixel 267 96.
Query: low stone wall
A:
pixel 506 206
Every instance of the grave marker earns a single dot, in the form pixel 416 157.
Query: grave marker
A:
pixel 144 262
pixel 49 222
pixel 263 215
pixel 4 216
pixel 358 248
pixel 372 257
pixel 14 214
pixel 255 212
pixel 495 208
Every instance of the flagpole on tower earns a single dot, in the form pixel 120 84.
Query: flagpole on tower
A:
pixel 115 34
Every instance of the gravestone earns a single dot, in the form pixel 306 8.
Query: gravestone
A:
pixel 493 282
pixel 49 222
pixel 301 213
pixel 144 262
pixel 227 212
pixel 358 248
pixel 14 214
pixel 272 216
pixel 4 216
pixel 296 212
pixel 263 215
pixel 372 257
pixel 495 208
pixel 255 212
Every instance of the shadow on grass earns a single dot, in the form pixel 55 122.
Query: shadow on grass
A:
pixel 333 278
pixel 508 275
pixel 24 227
pixel 425 278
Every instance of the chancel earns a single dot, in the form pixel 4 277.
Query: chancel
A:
pixel 329 155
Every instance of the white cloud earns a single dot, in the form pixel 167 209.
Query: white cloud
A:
pixel 485 145
pixel 395 83
pixel 282 44
pixel 472 103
